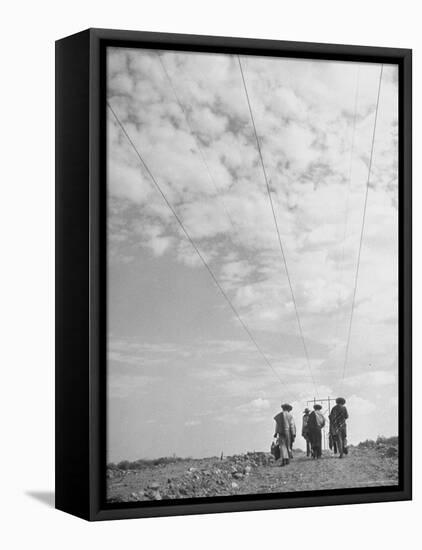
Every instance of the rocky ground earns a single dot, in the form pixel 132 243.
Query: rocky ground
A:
pixel 254 473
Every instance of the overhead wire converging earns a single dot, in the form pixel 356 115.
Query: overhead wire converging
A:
pixel 349 185
pixel 346 357
pixel 269 193
pixel 299 324
pixel 194 245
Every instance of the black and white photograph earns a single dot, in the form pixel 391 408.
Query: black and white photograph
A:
pixel 252 275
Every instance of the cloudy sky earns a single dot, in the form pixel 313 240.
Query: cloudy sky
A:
pixel 183 375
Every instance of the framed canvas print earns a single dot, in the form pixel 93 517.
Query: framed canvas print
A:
pixel 233 274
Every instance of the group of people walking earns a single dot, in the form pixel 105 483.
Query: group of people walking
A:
pixel 313 423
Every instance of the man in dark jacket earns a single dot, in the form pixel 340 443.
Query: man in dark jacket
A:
pixel 338 428
pixel 315 424
pixel 285 432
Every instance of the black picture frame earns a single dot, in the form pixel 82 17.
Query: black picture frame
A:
pixel 81 273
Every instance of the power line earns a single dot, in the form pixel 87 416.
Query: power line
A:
pixel 192 242
pixel 276 224
pixel 363 225
pixel 197 141
pixel 346 209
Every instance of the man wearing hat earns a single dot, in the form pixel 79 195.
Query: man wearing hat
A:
pixel 305 432
pixel 338 428
pixel 285 432
pixel 316 422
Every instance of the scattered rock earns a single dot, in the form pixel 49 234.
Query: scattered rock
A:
pixel 238 474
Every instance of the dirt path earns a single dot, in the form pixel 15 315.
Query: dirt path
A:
pixel 357 470
pixel 253 473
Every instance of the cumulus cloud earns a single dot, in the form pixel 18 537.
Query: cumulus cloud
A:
pixel 360 406
pixel 260 404
pixel 373 378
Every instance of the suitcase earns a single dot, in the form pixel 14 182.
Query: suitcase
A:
pixel 275 450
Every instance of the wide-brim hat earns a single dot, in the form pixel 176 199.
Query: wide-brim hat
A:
pixel 286 407
pixel 306 410
pixel 317 407
pixel 340 401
